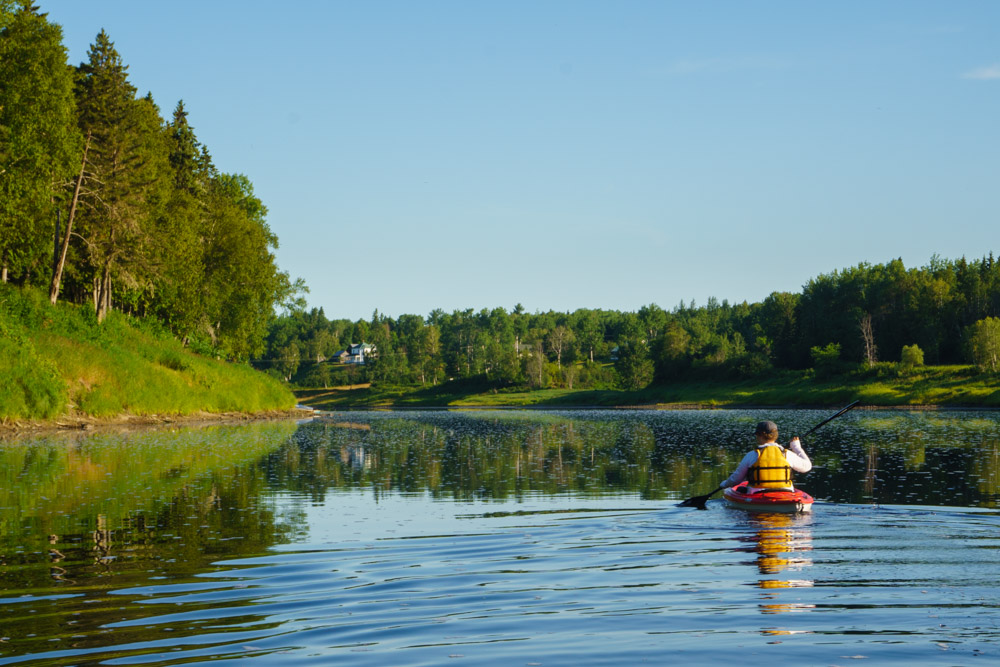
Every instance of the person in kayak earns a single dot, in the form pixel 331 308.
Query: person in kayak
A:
pixel 770 466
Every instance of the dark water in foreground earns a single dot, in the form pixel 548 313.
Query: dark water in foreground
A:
pixel 507 538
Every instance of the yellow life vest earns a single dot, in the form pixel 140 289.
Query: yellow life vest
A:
pixel 770 470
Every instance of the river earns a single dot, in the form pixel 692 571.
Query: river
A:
pixel 500 538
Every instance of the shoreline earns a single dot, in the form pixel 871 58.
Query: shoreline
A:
pixel 78 423
pixel 11 429
pixel 651 407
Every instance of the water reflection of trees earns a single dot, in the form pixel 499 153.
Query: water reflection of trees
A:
pixel 62 484
pixel 472 458
pixel 84 516
pixel 901 459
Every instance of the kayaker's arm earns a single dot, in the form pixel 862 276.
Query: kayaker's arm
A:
pixel 797 457
pixel 740 473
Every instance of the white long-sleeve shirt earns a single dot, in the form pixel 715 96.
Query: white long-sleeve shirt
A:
pixel 794 454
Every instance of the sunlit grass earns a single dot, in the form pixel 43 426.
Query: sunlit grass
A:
pixel 59 360
pixel 939 385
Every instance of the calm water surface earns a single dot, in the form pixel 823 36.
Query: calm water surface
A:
pixel 507 538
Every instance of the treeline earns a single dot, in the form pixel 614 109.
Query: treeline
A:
pixel 102 201
pixel 942 313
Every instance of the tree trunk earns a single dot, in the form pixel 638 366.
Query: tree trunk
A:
pixel 104 297
pixel 55 245
pixel 868 336
pixel 61 263
pixel 107 290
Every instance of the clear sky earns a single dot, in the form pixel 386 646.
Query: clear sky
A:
pixel 568 154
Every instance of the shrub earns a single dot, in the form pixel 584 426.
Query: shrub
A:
pixel 751 364
pixel 826 360
pixel 911 357
pixel 594 375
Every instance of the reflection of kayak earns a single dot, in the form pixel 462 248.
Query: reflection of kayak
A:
pixel 768 501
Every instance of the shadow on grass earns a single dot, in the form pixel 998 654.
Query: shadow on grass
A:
pixel 951 386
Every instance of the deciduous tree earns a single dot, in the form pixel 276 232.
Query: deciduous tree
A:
pixel 984 343
pixel 911 357
pixel 39 141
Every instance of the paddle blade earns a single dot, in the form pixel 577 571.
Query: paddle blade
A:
pixel 699 501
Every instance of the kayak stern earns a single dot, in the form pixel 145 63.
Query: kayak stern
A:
pixel 768 501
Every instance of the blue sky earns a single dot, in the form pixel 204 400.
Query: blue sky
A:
pixel 574 154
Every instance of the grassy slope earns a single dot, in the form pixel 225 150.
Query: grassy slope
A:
pixel 936 385
pixel 57 360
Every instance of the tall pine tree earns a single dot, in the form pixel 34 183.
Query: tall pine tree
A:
pixel 122 174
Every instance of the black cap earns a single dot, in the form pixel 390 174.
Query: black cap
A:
pixel 766 428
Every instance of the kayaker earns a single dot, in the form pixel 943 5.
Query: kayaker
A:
pixel 770 465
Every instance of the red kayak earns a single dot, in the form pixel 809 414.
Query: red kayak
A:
pixel 768 501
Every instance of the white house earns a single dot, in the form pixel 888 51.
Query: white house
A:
pixel 355 354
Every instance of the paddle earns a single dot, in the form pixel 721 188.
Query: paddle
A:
pixel 699 501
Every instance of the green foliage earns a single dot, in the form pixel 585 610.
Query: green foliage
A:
pixel 242 283
pixel 826 359
pixel 752 364
pixel 984 344
pixel 126 164
pixel 38 136
pixel 634 365
pixel 911 357
pixel 714 342
pixel 156 230
pixel 672 351
pixel 55 357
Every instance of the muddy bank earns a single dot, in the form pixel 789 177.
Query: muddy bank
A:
pixel 13 428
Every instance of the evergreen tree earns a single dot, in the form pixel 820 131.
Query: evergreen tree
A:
pixel 121 170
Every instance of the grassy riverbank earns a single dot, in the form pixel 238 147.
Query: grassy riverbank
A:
pixel 884 385
pixel 57 361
